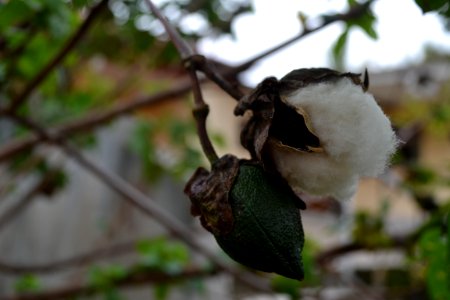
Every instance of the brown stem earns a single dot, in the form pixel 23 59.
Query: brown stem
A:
pixel 59 57
pixel 181 45
pixel 201 109
pixel 200 112
pixel 199 62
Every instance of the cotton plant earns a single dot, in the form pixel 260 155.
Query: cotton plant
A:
pixel 315 132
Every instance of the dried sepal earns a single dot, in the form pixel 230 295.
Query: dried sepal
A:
pixel 209 194
pixel 274 119
pixel 301 78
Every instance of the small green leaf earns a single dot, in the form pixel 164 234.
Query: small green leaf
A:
pixel 267 234
pixel 366 23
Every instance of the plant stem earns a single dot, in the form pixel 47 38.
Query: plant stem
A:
pixel 201 109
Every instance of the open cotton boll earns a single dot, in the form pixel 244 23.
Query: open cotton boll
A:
pixel 315 173
pixel 355 134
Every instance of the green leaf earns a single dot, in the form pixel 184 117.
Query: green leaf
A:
pixel 267 233
pixel 366 23
pixel 339 49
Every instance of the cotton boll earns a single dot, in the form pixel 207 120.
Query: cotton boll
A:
pixel 354 133
pixel 315 173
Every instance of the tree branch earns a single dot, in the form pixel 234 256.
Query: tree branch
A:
pixel 201 109
pixel 134 278
pixel 82 259
pixel 93 119
pixel 21 204
pixel 353 13
pixel 58 58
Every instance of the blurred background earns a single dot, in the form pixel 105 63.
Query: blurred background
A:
pixel 103 77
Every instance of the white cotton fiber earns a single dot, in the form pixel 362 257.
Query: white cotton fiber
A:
pixel 355 134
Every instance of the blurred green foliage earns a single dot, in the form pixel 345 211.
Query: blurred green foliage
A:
pixel 432 248
pixel 160 256
pixel 163 255
pixel 166 146
pixel 27 283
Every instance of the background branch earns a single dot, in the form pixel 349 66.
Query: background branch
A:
pixel 136 277
pixel 353 13
pixel 201 109
pixel 82 259
pixel 21 203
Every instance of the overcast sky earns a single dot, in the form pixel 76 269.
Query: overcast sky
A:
pixel 403 31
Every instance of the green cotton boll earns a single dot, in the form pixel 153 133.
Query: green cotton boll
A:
pixel 267 234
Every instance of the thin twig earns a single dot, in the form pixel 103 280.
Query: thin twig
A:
pixel 201 109
pixel 200 112
pixel 143 203
pixel 199 62
pixel 183 48
pixel 135 278
pixel 354 13
pixel 58 58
